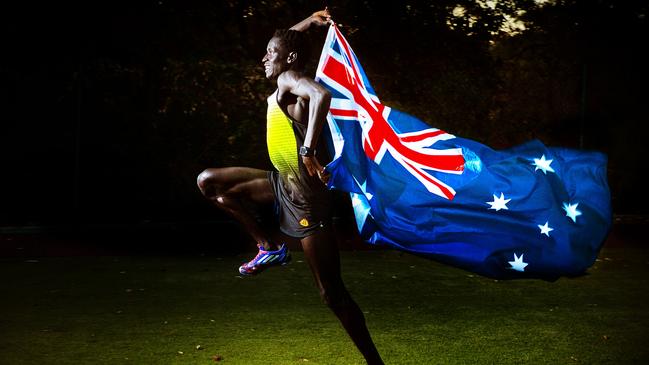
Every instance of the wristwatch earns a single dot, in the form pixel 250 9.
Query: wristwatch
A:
pixel 307 151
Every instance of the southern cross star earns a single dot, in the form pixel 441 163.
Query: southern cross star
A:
pixel 499 203
pixel 545 229
pixel 518 263
pixel 364 189
pixel 543 164
pixel 571 211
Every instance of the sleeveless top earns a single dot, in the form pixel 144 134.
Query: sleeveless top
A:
pixel 281 139
pixel 303 200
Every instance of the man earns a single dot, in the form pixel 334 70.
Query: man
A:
pixel 296 115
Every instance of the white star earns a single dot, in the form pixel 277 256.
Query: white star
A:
pixel 356 202
pixel 545 229
pixel 571 211
pixel 361 209
pixel 518 263
pixel 543 164
pixel 363 187
pixel 499 203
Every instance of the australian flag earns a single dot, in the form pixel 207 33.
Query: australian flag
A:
pixel 527 212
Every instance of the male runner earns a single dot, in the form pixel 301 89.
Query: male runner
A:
pixel 296 114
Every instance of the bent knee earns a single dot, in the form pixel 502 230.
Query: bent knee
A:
pixel 208 181
pixel 202 179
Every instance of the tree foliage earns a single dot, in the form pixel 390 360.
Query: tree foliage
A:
pixel 145 95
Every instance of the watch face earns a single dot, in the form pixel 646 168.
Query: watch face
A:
pixel 305 151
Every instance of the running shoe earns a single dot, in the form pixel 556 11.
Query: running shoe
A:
pixel 265 259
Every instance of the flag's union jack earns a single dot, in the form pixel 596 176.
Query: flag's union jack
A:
pixel 355 100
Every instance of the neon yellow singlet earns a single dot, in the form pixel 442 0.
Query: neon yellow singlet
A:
pixel 303 201
pixel 280 138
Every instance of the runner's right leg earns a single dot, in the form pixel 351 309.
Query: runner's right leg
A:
pixel 228 187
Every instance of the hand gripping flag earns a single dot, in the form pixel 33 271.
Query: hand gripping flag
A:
pixel 527 212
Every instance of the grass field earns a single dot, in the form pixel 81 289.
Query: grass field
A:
pixel 196 310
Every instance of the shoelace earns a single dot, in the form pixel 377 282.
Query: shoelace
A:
pixel 251 262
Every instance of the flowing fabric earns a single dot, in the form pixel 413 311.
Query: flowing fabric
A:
pixel 527 212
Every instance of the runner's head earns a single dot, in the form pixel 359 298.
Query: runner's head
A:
pixel 287 50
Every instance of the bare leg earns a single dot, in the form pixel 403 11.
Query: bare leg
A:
pixel 228 187
pixel 323 257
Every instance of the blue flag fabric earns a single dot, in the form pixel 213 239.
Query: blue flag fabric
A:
pixel 527 212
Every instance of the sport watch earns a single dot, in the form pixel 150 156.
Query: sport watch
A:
pixel 307 151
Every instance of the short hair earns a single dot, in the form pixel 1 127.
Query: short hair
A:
pixel 295 42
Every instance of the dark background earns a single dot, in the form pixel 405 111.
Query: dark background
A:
pixel 111 109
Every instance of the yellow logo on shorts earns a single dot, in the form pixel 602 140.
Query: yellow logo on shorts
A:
pixel 304 222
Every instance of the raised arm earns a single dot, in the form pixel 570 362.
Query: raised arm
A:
pixel 321 17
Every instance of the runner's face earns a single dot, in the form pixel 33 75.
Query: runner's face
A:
pixel 275 61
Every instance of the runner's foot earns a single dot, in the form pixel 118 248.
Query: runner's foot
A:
pixel 266 259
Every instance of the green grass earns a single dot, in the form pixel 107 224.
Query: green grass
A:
pixel 139 310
